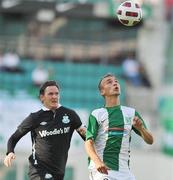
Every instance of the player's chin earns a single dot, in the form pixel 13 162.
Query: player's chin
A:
pixel 54 106
pixel 117 93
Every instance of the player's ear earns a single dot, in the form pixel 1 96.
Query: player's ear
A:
pixel 41 97
pixel 102 92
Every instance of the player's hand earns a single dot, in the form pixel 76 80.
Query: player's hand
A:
pixel 102 168
pixel 137 123
pixel 8 159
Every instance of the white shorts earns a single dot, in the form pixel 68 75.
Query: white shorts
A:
pixel 112 175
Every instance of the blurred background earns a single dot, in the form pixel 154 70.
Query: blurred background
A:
pixel 76 42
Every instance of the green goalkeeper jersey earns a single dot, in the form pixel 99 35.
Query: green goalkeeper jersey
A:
pixel 110 128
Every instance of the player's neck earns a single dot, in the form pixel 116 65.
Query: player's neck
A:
pixel 111 102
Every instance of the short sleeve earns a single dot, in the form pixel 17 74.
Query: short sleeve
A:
pixel 92 128
pixel 135 130
pixel 76 120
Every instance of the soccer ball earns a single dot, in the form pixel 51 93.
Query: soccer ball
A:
pixel 129 13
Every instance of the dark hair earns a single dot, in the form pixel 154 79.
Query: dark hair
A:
pixel 46 84
pixel 105 76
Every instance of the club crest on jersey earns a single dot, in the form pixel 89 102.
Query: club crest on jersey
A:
pixel 65 119
pixel 128 119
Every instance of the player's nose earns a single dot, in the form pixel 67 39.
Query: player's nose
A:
pixel 55 95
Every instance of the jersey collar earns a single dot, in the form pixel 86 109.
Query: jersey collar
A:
pixel 46 109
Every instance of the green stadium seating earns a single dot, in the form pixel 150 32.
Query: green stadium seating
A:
pixel 93 30
pixel 78 81
pixel 12 25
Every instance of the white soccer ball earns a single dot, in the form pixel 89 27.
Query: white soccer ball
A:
pixel 129 13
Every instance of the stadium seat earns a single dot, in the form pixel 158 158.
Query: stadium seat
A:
pixel 78 81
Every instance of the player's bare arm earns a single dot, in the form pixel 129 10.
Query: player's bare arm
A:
pixel 146 135
pixel 8 159
pixel 100 166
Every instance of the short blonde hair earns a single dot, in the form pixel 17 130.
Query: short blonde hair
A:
pixel 105 76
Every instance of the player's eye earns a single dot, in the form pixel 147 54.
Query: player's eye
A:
pixel 109 82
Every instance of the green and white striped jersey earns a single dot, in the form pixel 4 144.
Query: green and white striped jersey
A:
pixel 110 128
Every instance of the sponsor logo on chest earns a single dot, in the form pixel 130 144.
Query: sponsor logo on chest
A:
pixel 45 133
pixel 128 120
pixel 56 131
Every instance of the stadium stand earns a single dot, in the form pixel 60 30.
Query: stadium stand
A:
pixel 12 25
pixel 168 70
pixel 83 77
